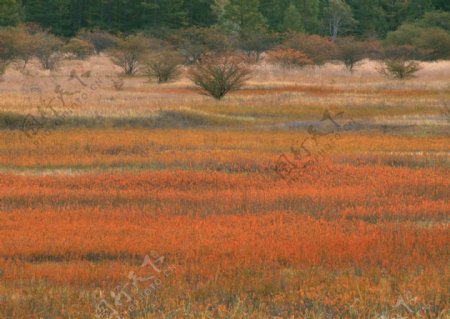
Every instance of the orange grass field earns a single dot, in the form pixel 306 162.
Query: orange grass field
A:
pixel 156 202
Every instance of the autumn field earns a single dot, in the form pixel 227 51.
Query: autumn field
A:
pixel 311 193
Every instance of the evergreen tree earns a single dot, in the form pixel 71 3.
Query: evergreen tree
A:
pixel 164 13
pixel 244 15
pixel 392 13
pixel 417 8
pixel 370 18
pixel 441 5
pixel 199 12
pixel 309 11
pixel 274 12
pixel 52 14
pixel 293 20
pixel 338 18
pixel 9 12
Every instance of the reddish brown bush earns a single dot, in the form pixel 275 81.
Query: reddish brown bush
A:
pixel 317 48
pixel 289 58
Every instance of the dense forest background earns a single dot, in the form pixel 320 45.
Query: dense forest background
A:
pixel 360 18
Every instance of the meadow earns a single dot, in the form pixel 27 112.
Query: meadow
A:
pixel 153 201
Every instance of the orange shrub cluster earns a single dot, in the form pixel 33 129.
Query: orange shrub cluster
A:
pixel 289 58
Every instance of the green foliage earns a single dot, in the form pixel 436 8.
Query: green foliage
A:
pixel 293 20
pixel 435 20
pixel 52 14
pixel 243 16
pixel 435 43
pixel 430 44
pixel 10 12
pixel 309 11
pixel 338 18
pixel 400 69
pixel 405 35
pixel 370 18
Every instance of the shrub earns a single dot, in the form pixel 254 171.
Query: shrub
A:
pixel 351 52
pixel 436 20
pixel 289 58
pixel 26 43
pixel 404 35
pixel 317 48
pixel 400 69
pixel 79 48
pixel 9 50
pixel 219 75
pixel 2 67
pixel 164 66
pixel 429 44
pixel 48 50
pixel 434 44
pixel 129 52
pixel 100 40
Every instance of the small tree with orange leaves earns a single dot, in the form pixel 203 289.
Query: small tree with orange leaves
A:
pixel 289 58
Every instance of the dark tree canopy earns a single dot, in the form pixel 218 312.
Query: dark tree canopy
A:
pixel 67 17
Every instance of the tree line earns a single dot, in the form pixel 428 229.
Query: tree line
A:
pixel 360 18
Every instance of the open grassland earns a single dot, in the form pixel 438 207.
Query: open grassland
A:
pixel 148 169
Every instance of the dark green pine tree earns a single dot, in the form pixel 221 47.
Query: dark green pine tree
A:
pixel 158 14
pixel 441 5
pixel 173 15
pixel 10 12
pixel 370 17
pixel 398 11
pixel 78 9
pixel 52 14
pixel 293 20
pixel 309 11
pixel 417 9
pixel 274 11
pixel 245 15
pixel 199 12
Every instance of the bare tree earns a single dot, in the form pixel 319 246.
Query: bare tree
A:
pixel 399 68
pixel 163 66
pixel 351 52
pixel 219 75
pixel 129 52
pixel 48 50
pixel 9 50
